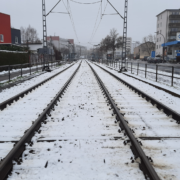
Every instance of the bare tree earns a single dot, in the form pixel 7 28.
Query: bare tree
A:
pixel 148 44
pixel 113 43
pixel 29 34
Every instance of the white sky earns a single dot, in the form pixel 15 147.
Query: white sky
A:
pixel 141 17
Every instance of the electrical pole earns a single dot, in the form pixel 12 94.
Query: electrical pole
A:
pixel 44 32
pixel 123 66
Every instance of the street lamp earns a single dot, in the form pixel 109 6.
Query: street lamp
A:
pixel 164 43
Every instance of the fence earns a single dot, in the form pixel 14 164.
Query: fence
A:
pixel 36 63
pixel 169 75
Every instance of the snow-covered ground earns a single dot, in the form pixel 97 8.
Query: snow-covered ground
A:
pixel 18 117
pixel 38 67
pixel 163 79
pixel 147 121
pixel 84 147
pixel 8 93
pixel 160 95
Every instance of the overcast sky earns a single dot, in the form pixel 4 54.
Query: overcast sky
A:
pixel 141 17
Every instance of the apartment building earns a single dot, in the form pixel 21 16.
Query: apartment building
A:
pixel 168 25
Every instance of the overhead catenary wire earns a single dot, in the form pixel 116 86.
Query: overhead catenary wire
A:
pixel 95 23
pixel 53 8
pixel 71 17
pixel 60 12
pixel 99 23
pixel 85 3
pixel 115 9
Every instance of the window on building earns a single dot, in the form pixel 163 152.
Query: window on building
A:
pixel 160 39
pixel 1 38
pixel 157 46
pixel 16 40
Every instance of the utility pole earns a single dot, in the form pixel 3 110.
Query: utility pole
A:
pixel 123 66
pixel 44 33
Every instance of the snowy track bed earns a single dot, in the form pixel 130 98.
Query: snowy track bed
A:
pixel 158 133
pixel 162 96
pixel 79 139
pixel 8 93
pixel 19 116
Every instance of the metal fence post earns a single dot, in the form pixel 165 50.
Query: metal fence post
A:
pixel 137 68
pixel 156 72
pixel 21 70
pixel 145 70
pixel 9 74
pixel 30 68
pixel 172 80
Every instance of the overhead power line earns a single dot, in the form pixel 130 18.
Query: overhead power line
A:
pixel 60 12
pixel 85 3
pixel 72 21
pixel 115 9
pixel 98 24
pixel 95 23
pixel 53 8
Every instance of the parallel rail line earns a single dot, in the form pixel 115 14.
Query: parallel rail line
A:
pixel 145 165
pixel 4 104
pixel 159 105
pixel 7 163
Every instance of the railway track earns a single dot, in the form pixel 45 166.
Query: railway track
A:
pixel 17 118
pixel 98 130
pixel 152 123
pixel 6 101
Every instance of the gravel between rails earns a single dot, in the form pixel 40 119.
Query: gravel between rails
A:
pixel 148 122
pixel 78 141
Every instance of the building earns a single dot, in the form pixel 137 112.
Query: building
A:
pixel 144 49
pixel 80 50
pixel 168 25
pixel 118 52
pixel 60 43
pixel 8 35
pixel 134 45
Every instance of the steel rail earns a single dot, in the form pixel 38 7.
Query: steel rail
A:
pixel 144 164
pixel 153 101
pixel 4 104
pixel 6 164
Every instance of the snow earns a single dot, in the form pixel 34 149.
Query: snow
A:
pixel 18 117
pixel 84 146
pixel 14 51
pixel 8 93
pixel 147 121
pixel 160 95
pixel 81 140
pixel 163 78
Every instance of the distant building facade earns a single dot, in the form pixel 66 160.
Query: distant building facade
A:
pixel 144 49
pixel 80 50
pixel 118 52
pixel 168 24
pixel 8 35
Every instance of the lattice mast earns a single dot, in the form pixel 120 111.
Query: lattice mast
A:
pixel 124 35
pixel 44 24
